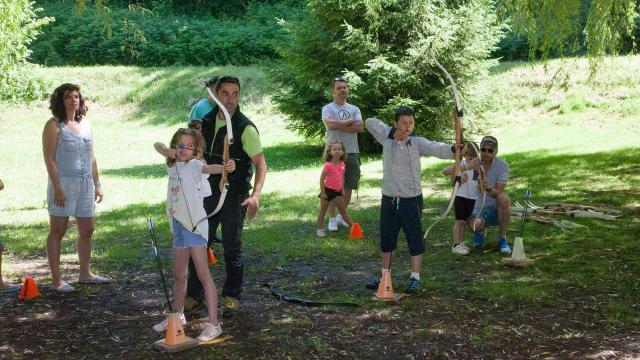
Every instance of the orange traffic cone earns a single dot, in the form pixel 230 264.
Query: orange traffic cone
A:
pixel 29 289
pixel 211 256
pixel 356 232
pixel 175 340
pixel 385 289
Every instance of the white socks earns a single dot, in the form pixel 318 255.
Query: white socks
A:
pixel 415 275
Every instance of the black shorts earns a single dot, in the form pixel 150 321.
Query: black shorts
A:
pixel 405 214
pixel 463 207
pixel 331 194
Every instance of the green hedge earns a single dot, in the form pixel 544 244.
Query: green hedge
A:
pixel 151 39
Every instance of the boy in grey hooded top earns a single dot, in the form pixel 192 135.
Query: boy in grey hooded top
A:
pixel 401 205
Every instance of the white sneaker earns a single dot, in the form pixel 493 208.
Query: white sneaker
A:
pixel 162 327
pixel 333 224
pixel 461 249
pixel 320 233
pixel 341 221
pixel 210 332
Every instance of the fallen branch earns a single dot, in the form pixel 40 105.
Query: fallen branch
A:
pixel 573 210
pixel 562 224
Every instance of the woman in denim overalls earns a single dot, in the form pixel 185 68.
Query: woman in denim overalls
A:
pixel 74 185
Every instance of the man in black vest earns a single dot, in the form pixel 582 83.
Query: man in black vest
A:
pixel 247 152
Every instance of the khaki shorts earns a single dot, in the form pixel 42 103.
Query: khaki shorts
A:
pixel 352 171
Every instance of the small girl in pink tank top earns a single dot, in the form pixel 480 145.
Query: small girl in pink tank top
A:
pixel 331 183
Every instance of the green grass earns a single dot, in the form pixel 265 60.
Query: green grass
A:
pixel 577 146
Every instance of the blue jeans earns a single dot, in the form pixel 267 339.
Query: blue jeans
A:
pixel 489 214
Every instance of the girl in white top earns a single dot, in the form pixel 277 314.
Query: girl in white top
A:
pixel 465 199
pixel 186 189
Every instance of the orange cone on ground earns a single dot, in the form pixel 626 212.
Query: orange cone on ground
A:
pixel 356 232
pixel 29 289
pixel 211 256
pixel 175 339
pixel 385 289
pixel 175 333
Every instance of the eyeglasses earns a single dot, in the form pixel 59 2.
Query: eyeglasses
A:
pixel 489 150
pixel 184 147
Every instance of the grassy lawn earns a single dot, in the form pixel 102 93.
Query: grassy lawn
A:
pixel 577 146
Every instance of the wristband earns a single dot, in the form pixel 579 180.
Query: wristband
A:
pixel 97 184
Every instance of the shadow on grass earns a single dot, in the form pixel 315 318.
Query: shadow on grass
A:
pixel 166 98
pixel 281 157
pixel 121 235
pixel 605 177
pixel 289 156
pixel 138 171
pixel 585 263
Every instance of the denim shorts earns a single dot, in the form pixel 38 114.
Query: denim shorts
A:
pixel 183 238
pixel 489 214
pixel 79 197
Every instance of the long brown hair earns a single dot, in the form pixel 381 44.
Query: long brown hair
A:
pixel 198 143
pixel 327 153
pixel 56 103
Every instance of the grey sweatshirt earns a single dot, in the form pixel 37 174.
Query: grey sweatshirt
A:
pixel 401 159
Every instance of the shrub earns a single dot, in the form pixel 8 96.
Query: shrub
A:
pixel 20 25
pixel 158 39
pixel 382 47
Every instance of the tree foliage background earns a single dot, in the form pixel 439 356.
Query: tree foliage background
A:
pixel 20 25
pixel 382 47
pixel 551 28
pixel 159 34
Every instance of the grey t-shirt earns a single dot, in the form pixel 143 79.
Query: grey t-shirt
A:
pixel 342 112
pixel 401 167
pixel 497 173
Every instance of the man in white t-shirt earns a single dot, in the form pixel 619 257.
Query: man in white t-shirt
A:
pixel 343 122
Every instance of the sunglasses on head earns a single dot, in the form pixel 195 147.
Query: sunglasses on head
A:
pixel 489 150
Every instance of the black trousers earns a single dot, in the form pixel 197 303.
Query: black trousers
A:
pixel 231 218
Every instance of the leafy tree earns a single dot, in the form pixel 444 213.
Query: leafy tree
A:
pixel 20 25
pixel 382 47
pixel 560 27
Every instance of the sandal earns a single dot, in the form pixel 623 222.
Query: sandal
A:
pixel 63 288
pixel 95 279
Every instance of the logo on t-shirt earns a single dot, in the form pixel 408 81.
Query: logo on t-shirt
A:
pixel 343 114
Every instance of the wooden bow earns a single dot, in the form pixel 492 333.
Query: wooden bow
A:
pixel 457 117
pixel 228 141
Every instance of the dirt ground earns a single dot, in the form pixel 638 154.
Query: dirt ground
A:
pixel 114 322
